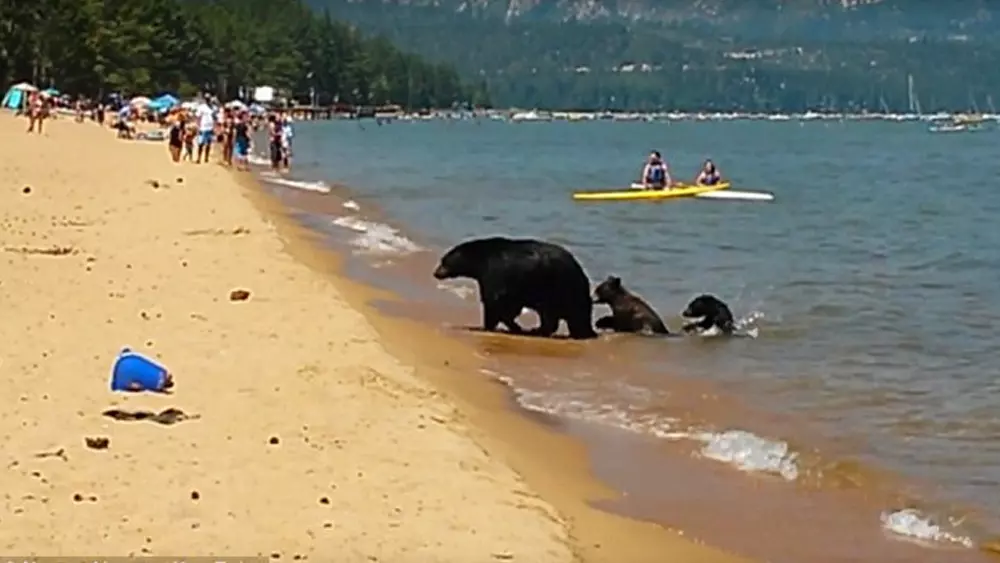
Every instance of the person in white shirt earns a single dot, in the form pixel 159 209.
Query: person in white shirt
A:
pixel 206 131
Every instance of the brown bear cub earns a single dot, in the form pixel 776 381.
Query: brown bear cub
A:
pixel 629 313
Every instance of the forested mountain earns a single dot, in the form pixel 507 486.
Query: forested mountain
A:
pixel 181 46
pixel 704 54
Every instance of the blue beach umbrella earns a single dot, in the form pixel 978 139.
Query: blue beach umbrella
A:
pixel 163 103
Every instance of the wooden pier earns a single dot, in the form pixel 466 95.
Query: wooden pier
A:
pixel 342 111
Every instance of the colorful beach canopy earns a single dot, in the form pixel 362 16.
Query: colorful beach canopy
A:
pixel 166 102
pixel 15 95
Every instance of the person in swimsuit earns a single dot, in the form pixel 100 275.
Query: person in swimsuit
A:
pixel 655 174
pixel 190 132
pixel 709 175
pixel 227 137
pixel 35 112
pixel 175 140
pixel 241 142
pixel 274 136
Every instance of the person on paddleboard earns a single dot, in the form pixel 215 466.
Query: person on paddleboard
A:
pixel 709 175
pixel 655 175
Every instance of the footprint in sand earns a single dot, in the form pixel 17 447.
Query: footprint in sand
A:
pixel 165 417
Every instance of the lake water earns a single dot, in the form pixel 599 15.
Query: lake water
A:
pixel 869 281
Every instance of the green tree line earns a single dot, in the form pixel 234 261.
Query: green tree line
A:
pixel 831 59
pixel 94 47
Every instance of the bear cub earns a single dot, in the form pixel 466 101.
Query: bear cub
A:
pixel 709 313
pixel 629 312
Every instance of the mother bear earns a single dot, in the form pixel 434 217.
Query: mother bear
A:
pixel 516 273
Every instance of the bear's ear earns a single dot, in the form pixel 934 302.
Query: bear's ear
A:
pixel 614 281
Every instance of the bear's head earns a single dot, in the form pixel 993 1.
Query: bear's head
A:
pixel 706 307
pixel 609 290
pixel 465 260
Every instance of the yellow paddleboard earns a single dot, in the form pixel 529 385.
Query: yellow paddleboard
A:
pixel 641 194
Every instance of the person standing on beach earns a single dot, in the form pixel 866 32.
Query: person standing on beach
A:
pixel 228 123
pixel 176 138
pixel 286 142
pixel 36 112
pixel 241 142
pixel 274 141
pixel 206 131
pixel 190 132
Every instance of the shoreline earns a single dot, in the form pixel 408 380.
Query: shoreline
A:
pixel 687 495
pixel 868 526
pixel 552 463
pixel 301 442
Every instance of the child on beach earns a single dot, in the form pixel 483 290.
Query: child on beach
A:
pixel 190 131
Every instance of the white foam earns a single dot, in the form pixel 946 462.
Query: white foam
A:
pixel 749 452
pixel 911 523
pixel 296 184
pixel 740 449
pixel 743 450
pixel 576 408
pixel 461 290
pixel 467 292
pixel 352 205
pixel 745 326
pixel 258 160
pixel 376 238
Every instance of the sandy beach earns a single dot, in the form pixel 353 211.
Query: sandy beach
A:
pixel 307 435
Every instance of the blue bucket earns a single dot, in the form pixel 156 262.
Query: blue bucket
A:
pixel 134 372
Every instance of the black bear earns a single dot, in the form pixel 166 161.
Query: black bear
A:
pixel 516 273
pixel 629 313
pixel 711 313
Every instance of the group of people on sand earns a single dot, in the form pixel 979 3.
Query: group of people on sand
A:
pixel 192 134
pixel 656 174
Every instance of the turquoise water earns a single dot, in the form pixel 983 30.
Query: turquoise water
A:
pixel 870 280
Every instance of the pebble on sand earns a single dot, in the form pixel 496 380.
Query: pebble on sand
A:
pixel 97 442
pixel 239 295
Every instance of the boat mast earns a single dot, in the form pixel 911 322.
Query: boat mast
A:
pixel 911 95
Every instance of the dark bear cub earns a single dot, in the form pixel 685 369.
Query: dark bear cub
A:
pixel 629 313
pixel 516 273
pixel 710 312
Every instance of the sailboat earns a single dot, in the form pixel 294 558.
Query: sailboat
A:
pixel 962 122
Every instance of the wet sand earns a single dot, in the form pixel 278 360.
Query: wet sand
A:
pixel 317 428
